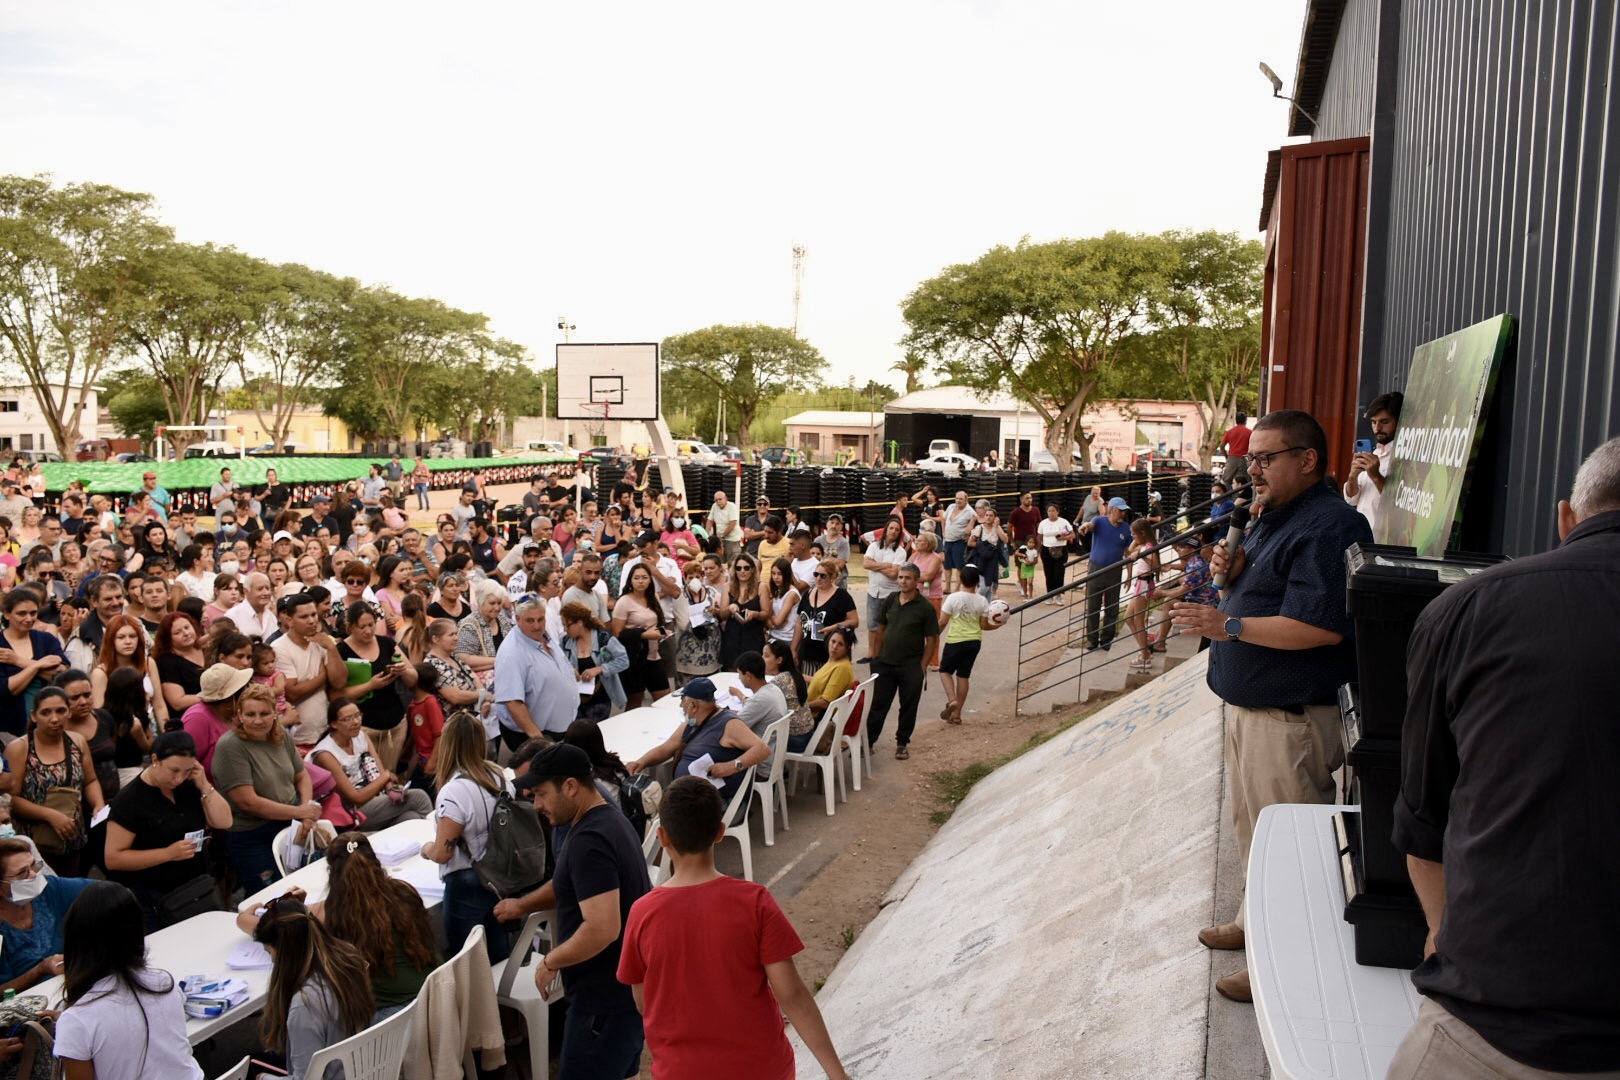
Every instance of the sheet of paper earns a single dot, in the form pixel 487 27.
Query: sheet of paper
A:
pixel 423 876
pixel 586 688
pixel 701 767
pixel 700 613
pixel 100 815
pixel 249 956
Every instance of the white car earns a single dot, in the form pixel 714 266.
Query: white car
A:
pixel 1046 461
pixel 949 463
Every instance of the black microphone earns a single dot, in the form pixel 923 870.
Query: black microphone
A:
pixel 1234 537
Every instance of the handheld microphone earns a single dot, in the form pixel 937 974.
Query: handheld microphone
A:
pixel 1234 537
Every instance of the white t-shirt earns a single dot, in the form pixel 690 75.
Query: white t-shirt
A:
pixel 1367 498
pixel 805 570
pixel 1051 531
pixel 348 760
pixel 880 585
pixel 301 664
pixel 124 1044
pixel 471 806
pixel 958 520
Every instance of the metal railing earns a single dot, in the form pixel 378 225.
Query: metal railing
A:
pixel 1053 652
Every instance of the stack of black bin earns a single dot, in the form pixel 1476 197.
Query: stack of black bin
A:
pixel 1388 589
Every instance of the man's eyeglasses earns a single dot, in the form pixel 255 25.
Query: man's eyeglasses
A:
pixel 1263 461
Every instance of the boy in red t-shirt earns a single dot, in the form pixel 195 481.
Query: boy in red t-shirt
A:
pixel 425 717
pixel 712 1005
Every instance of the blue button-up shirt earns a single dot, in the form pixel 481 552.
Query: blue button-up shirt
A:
pixel 1293 566
pixel 542 679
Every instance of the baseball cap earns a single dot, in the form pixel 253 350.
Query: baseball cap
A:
pixel 221 681
pixel 281 535
pixel 556 762
pixel 320 499
pixel 1117 503
pixel 698 689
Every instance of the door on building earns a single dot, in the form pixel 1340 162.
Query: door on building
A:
pixel 1015 451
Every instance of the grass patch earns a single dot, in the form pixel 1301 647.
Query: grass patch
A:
pixel 848 934
pixel 951 786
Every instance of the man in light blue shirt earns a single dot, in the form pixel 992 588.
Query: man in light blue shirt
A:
pixel 535 688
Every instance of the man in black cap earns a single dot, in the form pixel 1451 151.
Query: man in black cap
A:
pixel 600 872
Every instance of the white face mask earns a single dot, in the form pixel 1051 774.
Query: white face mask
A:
pixel 7 830
pixel 27 890
pixel 228 566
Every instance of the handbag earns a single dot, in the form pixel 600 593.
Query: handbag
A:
pixel 196 896
pixel 64 800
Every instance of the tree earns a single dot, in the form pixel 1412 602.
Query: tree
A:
pixel 135 400
pixel 476 396
pixel 1205 341
pixel 743 366
pixel 913 365
pixel 1044 322
pixel 194 310
pixel 66 261
pixel 395 347
pixel 300 333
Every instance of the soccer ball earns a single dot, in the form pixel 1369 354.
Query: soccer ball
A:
pixel 999 610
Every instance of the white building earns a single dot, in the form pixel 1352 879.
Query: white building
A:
pixel 22 422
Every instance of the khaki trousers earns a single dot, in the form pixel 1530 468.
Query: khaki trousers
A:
pixel 1274 756
pixel 1442 1047
pixel 386 745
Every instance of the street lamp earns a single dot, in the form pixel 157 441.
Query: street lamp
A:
pixel 566 327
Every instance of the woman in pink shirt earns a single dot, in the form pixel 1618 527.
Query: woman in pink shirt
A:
pixel 208 720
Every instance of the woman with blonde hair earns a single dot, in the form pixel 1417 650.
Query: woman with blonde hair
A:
pixel 466 803
pixel 258 768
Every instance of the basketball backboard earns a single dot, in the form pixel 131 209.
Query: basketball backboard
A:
pixel 624 377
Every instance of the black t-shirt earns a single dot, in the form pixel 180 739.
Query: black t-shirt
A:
pixel 274 498
pixel 601 853
pixel 557 492
pixel 309 526
pixel 174 668
pixel 381 709
pixel 815 620
pixel 436 611
pixel 155 822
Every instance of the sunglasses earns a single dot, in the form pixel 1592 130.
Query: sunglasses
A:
pixel 822 575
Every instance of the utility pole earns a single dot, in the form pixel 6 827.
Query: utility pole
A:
pixel 799 253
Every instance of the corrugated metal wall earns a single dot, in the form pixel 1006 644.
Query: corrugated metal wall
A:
pixel 1505 196
pixel 1347 98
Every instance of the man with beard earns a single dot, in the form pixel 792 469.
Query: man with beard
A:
pixel 1369 471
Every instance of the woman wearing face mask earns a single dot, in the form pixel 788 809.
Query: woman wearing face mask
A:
pixel 156 829
pixel 681 541
pixel 32 906
pixel 54 782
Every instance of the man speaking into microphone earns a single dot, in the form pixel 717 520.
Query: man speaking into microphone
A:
pixel 1281 639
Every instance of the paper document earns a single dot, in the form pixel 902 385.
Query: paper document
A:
pixel 393 850
pixel 100 815
pixel 586 687
pixel 249 956
pixel 700 613
pixel 701 767
pixel 423 876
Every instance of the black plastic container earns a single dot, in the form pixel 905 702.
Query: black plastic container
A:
pixel 1389 927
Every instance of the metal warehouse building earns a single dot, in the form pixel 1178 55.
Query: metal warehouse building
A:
pixel 1459 168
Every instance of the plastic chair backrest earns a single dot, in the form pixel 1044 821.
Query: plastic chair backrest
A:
pixel 831 719
pixel 858 709
pixel 775 741
pixel 377 1053
pixel 239 1071
pixel 520 952
pixel 737 811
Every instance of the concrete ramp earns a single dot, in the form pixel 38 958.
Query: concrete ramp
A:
pixel 1048 930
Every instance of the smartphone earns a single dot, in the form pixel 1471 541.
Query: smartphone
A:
pixel 1364 446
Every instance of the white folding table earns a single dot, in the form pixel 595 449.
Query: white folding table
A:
pixel 1321 1014
pixel 198 946
pixel 723 680
pixel 312 878
pixel 634 732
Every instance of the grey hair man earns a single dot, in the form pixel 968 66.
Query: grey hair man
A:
pixel 535 690
pixel 1509 815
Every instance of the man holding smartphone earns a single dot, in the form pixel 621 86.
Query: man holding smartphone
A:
pixel 1369 469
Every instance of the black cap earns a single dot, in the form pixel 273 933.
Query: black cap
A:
pixel 558 761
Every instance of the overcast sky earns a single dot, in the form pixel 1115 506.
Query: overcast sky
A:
pixel 645 169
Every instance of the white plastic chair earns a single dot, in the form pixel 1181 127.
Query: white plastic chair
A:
pixel 239 1071
pixel 653 852
pixel 515 989
pixel 854 736
pixel 417 1070
pixel 736 820
pixel 377 1053
pixel 774 789
pixel 826 730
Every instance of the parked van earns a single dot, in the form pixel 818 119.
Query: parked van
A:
pixel 940 447
pixel 690 450
pixel 212 449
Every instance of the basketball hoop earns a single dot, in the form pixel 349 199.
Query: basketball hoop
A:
pixel 596 418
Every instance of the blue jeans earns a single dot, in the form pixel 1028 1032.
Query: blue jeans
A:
pixel 422 497
pixel 251 858
pixel 600 1046
pixel 468 904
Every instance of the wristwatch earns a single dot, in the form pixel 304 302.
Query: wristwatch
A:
pixel 1234 629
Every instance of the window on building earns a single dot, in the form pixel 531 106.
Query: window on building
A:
pixel 27 442
pixel 810 440
pixel 855 442
pixel 8 406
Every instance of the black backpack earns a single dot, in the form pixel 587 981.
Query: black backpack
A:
pixel 639 798
pixel 514 862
